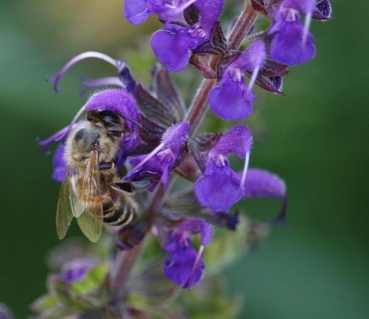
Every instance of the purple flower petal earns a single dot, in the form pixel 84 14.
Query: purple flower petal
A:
pixel 197 226
pixel 77 269
pixel 59 163
pixel 176 134
pixel 210 11
pixel 161 160
pixel 172 48
pixel 184 265
pixel 115 100
pixel 178 266
pixel 260 183
pixel 303 6
pixel 220 190
pixel 288 45
pixel 231 100
pixel 135 11
pixel 237 140
pixel 253 57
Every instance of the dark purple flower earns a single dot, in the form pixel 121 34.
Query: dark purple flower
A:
pixel 231 98
pixel 221 187
pixel 184 265
pixel 137 11
pixel 173 44
pixel 160 161
pixel 323 10
pixel 292 42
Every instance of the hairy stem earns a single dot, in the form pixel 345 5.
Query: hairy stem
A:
pixel 198 106
pixel 120 271
pixel 242 27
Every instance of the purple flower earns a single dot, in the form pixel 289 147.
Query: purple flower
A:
pixel 158 164
pixel 231 98
pixel 137 11
pixel 77 269
pixel 184 265
pixel 292 43
pixel 173 44
pixel 221 187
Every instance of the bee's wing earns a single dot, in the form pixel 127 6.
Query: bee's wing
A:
pixel 64 209
pixel 90 224
pixel 89 211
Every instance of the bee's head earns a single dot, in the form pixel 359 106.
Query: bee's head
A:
pixel 86 140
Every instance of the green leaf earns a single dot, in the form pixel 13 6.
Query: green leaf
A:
pixel 44 302
pixel 92 282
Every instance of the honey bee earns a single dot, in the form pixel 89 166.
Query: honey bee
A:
pixel 91 190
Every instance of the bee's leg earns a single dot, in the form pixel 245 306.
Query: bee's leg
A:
pixel 104 166
pixel 123 186
pixel 132 186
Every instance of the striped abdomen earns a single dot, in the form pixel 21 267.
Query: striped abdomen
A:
pixel 120 209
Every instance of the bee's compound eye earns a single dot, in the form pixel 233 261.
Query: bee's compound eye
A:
pixel 110 117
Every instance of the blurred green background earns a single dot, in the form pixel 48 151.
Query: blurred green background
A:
pixel 315 137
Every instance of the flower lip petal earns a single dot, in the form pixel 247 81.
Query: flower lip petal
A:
pixel 176 134
pixel 261 183
pixel 172 48
pixel 289 47
pixel 237 140
pixel 219 190
pixel 114 100
pixel 210 11
pixel 136 11
pixel 254 56
pixel 231 100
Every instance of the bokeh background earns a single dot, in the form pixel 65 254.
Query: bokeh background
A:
pixel 316 138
